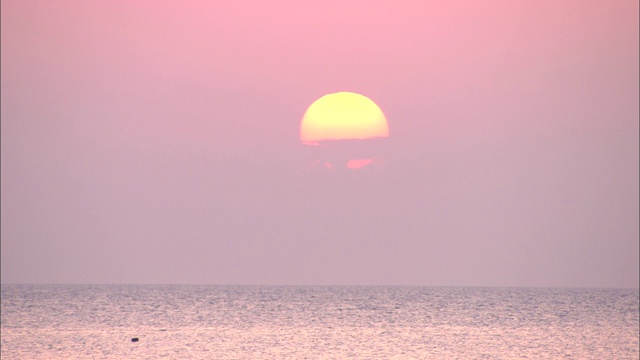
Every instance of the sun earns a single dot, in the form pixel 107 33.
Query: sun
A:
pixel 342 116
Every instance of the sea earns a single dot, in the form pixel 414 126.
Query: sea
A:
pixel 291 322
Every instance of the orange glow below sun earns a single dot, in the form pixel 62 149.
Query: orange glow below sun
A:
pixel 358 163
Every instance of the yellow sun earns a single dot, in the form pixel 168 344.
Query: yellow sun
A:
pixel 343 116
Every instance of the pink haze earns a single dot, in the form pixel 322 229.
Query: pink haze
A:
pixel 157 142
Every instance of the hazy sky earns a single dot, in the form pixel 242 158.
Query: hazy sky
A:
pixel 157 142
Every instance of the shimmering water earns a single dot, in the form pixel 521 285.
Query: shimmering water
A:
pixel 209 322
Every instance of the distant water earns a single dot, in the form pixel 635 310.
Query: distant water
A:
pixel 210 322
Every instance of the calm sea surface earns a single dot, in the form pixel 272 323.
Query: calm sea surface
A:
pixel 229 322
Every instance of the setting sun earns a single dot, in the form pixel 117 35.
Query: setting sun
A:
pixel 343 116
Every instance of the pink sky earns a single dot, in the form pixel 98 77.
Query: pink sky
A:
pixel 157 142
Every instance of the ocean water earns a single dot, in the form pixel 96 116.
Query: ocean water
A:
pixel 244 322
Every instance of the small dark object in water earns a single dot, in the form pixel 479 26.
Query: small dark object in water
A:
pixel 134 340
